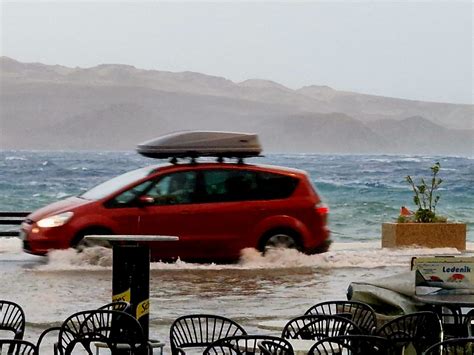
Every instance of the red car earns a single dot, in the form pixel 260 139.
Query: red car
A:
pixel 216 210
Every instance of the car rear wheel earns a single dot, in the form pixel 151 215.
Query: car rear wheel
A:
pixel 80 243
pixel 287 239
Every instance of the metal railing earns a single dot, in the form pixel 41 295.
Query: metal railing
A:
pixel 11 219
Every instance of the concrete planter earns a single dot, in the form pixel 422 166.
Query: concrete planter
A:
pixel 430 235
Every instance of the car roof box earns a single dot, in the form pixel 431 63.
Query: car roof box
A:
pixel 195 144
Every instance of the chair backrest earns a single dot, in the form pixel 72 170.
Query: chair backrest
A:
pixel 12 318
pixel 109 327
pixel 469 323
pixel 219 349
pixel 44 334
pixel 241 344
pixel 354 344
pixel 421 329
pixel 17 347
pixel 318 326
pixel 276 347
pixel 454 346
pixel 116 306
pixel 201 330
pixel 360 313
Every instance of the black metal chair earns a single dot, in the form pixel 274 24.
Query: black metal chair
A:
pixel 276 347
pixel 318 326
pixel 117 330
pixel 116 306
pixel 124 306
pixel 468 324
pixel 112 306
pixel 218 349
pixel 46 333
pixel 453 346
pixel 17 347
pixel 201 330
pixel 452 320
pixel 12 318
pixel 420 329
pixel 242 345
pixel 360 313
pixel 354 345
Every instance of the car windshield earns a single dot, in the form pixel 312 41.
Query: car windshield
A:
pixel 117 183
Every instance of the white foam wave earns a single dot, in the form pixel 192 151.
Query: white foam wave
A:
pixel 62 194
pixel 415 160
pixel 341 255
pixel 95 258
pixel 380 160
pixel 394 158
pixel 15 158
pixel 329 182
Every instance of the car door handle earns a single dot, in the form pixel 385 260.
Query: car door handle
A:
pixel 186 212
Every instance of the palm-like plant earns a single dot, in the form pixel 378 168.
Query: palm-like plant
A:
pixel 424 196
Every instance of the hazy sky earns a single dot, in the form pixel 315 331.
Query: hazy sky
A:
pixel 421 50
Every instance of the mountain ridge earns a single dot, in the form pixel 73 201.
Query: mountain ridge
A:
pixel 58 105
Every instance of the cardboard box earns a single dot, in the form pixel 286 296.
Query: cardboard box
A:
pixel 447 272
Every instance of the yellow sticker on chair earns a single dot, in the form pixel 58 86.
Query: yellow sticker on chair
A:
pixel 124 296
pixel 143 308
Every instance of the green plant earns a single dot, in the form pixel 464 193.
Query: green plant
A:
pixel 424 197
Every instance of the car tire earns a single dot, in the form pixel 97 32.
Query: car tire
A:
pixel 280 238
pixel 80 243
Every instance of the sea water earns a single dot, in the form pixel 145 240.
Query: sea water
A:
pixel 361 192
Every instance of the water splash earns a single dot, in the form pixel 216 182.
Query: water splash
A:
pixel 357 255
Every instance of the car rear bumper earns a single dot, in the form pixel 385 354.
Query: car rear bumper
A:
pixel 320 243
pixel 322 248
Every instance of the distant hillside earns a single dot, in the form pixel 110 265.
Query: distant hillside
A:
pixel 117 106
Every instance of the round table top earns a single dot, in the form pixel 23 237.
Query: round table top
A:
pixel 132 238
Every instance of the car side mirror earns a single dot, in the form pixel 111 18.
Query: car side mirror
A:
pixel 146 200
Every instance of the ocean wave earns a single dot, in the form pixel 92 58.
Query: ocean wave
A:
pixel 15 158
pixel 357 184
pixel 350 184
pixel 381 160
pixel 413 159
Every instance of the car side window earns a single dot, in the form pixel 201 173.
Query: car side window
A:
pixel 127 197
pixel 229 185
pixel 176 188
pixel 275 186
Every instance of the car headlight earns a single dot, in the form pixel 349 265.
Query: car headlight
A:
pixel 55 221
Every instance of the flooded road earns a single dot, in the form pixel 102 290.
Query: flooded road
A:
pixel 278 286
